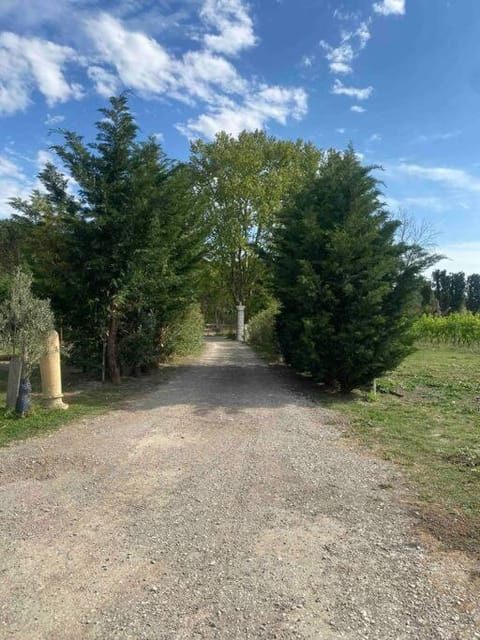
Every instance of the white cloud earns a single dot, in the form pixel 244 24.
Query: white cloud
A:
pixel 436 137
pixel 307 61
pixel 375 137
pixel 340 58
pixel 352 42
pixel 340 130
pixel 201 76
pixel 141 62
pixel 28 63
pixel 390 7
pixel 411 203
pixel 106 84
pixel 267 103
pixel 52 120
pixel 461 256
pixel 202 73
pixel 10 188
pixel 363 34
pixel 456 178
pixel 43 158
pixel 197 75
pixel 10 169
pixel 352 92
pixel 346 15
pixel 234 26
pixel 13 184
pixel 357 109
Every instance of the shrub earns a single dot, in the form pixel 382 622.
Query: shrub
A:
pixel 184 335
pixel 25 322
pixel 262 333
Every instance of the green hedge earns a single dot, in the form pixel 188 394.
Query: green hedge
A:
pixel 261 332
pixel 184 335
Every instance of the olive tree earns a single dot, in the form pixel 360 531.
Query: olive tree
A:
pixel 25 322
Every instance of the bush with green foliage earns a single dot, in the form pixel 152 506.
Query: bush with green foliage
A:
pixel 346 292
pixel 184 335
pixel 25 322
pixel 262 332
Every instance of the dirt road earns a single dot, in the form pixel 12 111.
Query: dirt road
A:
pixel 223 505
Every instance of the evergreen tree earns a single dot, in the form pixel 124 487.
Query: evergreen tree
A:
pixel 165 281
pixel 117 253
pixel 345 289
pixel 473 293
pixel 458 286
pixel 442 290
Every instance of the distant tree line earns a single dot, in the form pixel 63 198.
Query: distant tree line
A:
pixel 449 293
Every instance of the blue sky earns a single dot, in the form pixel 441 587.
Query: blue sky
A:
pixel 400 79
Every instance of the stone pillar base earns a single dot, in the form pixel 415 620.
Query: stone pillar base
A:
pixel 54 403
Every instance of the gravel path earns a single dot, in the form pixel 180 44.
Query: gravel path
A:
pixel 222 505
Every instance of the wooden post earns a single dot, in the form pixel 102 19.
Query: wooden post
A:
pixel 14 373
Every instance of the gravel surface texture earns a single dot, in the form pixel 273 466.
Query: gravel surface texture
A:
pixel 222 505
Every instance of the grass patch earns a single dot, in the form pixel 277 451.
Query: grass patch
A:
pixel 432 429
pixel 85 397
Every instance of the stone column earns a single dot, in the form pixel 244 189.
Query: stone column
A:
pixel 13 384
pixel 240 323
pixel 51 374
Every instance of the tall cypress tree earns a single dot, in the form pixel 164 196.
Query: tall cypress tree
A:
pixel 345 290
pixel 442 289
pixel 458 287
pixel 473 293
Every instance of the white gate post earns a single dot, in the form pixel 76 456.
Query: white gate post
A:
pixel 240 323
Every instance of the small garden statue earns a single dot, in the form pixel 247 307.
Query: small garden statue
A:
pixel 24 397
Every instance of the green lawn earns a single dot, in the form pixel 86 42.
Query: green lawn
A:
pixel 433 431
pixel 85 397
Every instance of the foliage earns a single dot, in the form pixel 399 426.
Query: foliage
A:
pixel 117 255
pixel 262 332
pixel 431 428
pixel 215 300
pixel 457 329
pixel 345 289
pixel 454 292
pixel 184 335
pixel 25 322
pixel 244 181
pixel 164 283
pixel 473 293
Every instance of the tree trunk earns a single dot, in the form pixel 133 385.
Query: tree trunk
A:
pixel 112 356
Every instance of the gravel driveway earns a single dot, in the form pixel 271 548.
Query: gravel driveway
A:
pixel 222 505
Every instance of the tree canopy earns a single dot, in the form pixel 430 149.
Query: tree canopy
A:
pixel 345 284
pixel 245 181
pixel 115 247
